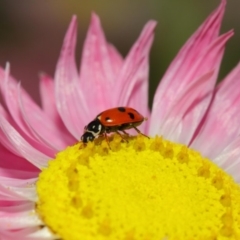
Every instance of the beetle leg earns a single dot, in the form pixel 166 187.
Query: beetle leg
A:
pixel 125 133
pixel 106 138
pixel 122 135
pixel 140 132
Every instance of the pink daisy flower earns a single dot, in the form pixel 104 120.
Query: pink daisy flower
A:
pixel 189 111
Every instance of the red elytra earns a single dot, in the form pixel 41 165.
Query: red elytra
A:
pixel 113 120
pixel 120 115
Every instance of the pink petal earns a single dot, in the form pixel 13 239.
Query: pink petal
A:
pixel 7 144
pixel 70 102
pixel 49 107
pixel 39 123
pixel 47 96
pixel 229 160
pixel 116 59
pixel 3 140
pixel 29 233
pixel 30 117
pixel 11 204
pixel 8 89
pixel 42 234
pixel 13 162
pixel 15 166
pixel 17 174
pixel 99 68
pixel 186 68
pixel 20 206
pixel 18 189
pixel 174 124
pixel 132 81
pixel 221 125
pixel 8 195
pixel 23 148
pixel 19 220
pixel 196 105
pixel 21 183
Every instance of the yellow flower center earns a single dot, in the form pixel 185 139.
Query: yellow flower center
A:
pixel 141 189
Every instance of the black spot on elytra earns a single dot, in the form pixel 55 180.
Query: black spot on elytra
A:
pixel 121 109
pixel 107 119
pixel 131 115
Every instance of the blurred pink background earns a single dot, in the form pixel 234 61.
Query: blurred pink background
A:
pixel 32 31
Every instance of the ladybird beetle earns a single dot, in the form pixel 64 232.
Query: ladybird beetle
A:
pixel 113 120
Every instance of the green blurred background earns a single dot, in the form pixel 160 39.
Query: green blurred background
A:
pixel 31 32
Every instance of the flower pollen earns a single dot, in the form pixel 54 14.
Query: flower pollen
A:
pixel 139 189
